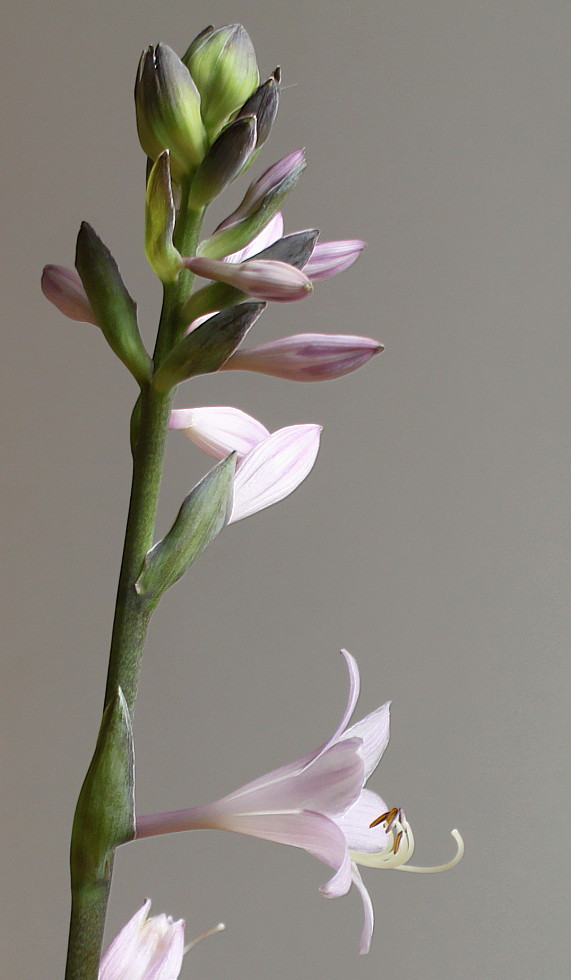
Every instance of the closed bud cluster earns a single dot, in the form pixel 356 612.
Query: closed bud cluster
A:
pixel 223 65
pixel 167 105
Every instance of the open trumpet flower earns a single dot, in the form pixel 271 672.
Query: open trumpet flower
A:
pixel 320 803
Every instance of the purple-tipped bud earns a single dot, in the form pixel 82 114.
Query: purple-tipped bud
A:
pixel 306 356
pixel 64 289
pixel 167 104
pixel 261 278
pixel 263 104
pixel 271 182
pixel 330 258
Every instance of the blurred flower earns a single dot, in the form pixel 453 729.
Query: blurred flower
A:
pixel 269 466
pixel 145 949
pixel 64 289
pixel 319 803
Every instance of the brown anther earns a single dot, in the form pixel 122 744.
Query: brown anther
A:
pixel 387 818
pixel 398 839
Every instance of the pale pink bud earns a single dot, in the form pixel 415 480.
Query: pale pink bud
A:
pixel 265 279
pixel 219 430
pixel 330 258
pixel 306 356
pixel 145 949
pixel 64 289
pixel 270 181
pixel 274 468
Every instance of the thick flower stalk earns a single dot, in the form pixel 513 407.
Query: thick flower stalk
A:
pixel 320 803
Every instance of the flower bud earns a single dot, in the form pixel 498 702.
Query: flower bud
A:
pixel 223 66
pixel 64 288
pixel 223 161
pixel 168 109
pixel 263 104
pixel 306 357
pixel 261 202
pixel 272 181
pixel 159 221
pixel 261 278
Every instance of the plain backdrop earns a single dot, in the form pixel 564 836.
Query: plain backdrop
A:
pixel 432 539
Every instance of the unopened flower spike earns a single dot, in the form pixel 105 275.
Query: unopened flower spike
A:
pixel 320 803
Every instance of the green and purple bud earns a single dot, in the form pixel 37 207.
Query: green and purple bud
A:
pixel 167 105
pixel 223 65
pixel 264 279
pixel 263 104
pixel 306 356
pixel 227 156
pixel 64 288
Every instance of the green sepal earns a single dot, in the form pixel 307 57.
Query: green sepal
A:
pixel 160 216
pixel 115 311
pixel 105 812
pixel 208 346
pixel 240 234
pixel 201 517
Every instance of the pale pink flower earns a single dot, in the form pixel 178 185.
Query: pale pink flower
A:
pixel 269 466
pixel 64 289
pixel 306 356
pixel 145 949
pixel 320 803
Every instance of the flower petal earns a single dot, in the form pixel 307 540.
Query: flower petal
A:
pixel 267 236
pixel 330 784
pixel 330 258
pixel 145 949
pixel 356 823
pixel 274 468
pixel 219 430
pixel 369 920
pixel 374 729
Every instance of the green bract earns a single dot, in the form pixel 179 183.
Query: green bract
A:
pixel 115 311
pixel 225 159
pixel 223 65
pixel 159 221
pixel 104 817
pixel 201 517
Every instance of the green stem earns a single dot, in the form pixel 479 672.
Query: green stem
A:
pixel 132 614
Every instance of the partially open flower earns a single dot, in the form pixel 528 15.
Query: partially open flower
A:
pixel 320 803
pixel 269 466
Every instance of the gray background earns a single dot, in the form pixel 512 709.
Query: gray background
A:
pixel 432 539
